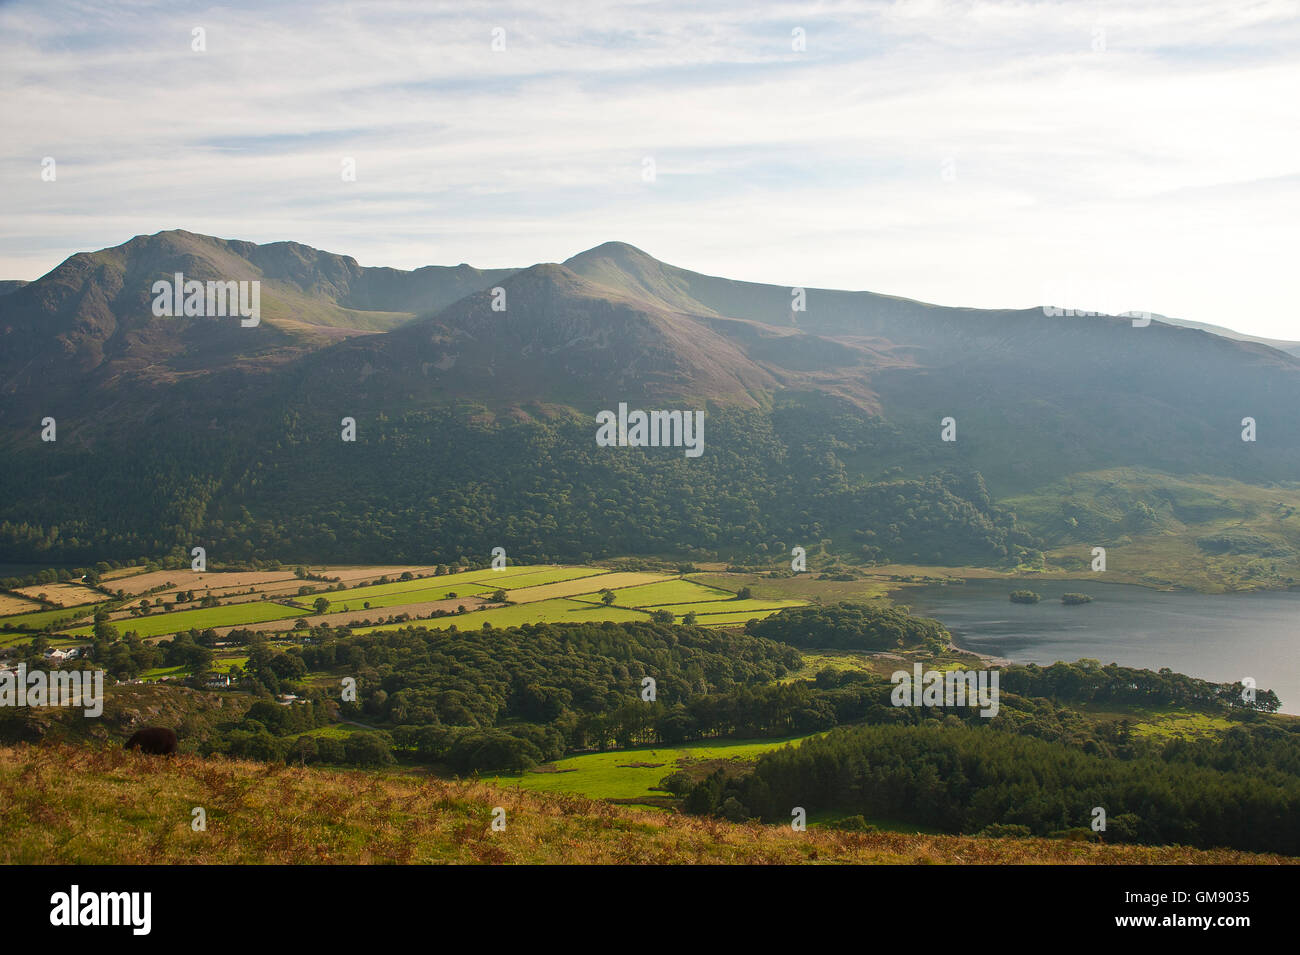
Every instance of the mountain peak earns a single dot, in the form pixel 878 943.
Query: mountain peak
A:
pixel 624 267
pixel 622 250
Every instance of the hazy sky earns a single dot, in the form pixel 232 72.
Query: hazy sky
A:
pixel 1108 156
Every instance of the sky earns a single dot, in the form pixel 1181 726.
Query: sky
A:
pixel 1099 156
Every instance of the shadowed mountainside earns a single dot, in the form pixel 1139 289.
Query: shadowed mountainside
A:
pixel 813 414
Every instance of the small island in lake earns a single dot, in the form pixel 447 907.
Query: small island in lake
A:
pixel 1072 599
pixel 1024 597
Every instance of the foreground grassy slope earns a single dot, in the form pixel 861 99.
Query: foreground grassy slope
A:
pixel 68 804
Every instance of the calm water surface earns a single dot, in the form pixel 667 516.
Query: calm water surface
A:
pixel 1219 637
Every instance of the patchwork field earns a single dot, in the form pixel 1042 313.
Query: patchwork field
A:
pixel 377 597
pixel 560 610
pixel 155 625
pixel 673 591
pixel 357 619
pixel 535 593
pixel 539 577
pixel 632 596
pixel 620 583
pixel 175 580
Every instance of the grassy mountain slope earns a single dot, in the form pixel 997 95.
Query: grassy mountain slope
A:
pixel 560 339
pixel 1290 347
pixel 86 329
pixel 845 402
pixel 1035 397
pixel 113 807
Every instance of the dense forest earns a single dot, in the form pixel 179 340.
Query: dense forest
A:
pixel 491 699
pixel 851 626
pixel 1241 791
pixel 436 486
pixel 494 699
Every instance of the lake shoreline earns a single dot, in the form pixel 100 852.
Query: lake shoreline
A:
pixel 1220 638
pixel 937 575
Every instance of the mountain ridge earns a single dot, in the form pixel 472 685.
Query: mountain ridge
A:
pixel 837 416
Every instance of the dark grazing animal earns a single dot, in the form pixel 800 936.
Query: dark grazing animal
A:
pixel 158 740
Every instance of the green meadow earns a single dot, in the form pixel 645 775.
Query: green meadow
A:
pixel 466 580
pixel 334 731
pixel 731 607
pixel 552 575
pixel 158 673
pixel 43 618
pixel 558 610
pixel 153 625
pixel 356 600
pixel 474 584
pixel 667 592
pixel 633 774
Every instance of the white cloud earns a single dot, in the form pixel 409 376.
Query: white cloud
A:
pixel 1143 153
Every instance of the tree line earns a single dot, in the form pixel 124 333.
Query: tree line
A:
pixel 966 780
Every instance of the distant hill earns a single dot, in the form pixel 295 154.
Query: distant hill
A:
pixel 1291 348
pixel 11 285
pixel 86 329
pixel 475 393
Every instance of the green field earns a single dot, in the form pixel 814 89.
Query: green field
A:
pixel 424 589
pixel 9 638
pixel 559 610
pixel 634 603
pixel 614 775
pixel 255 611
pixel 1182 725
pixel 665 592
pixel 420 583
pixel 731 607
pixel 537 578
pixel 42 618
pixel 349 600
pixel 158 673
pixel 334 731
pixel 223 664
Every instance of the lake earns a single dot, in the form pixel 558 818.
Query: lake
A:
pixel 1218 637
